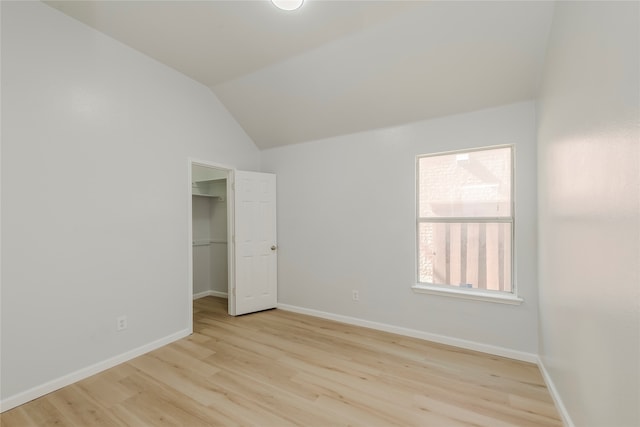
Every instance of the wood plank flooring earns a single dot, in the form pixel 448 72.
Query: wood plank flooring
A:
pixel 277 368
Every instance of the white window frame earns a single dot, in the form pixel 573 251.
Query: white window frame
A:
pixel 503 297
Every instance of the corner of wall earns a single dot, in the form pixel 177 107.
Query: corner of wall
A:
pixel 555 395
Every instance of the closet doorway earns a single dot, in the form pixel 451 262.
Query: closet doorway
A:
pixel 232 237
pixel 211 222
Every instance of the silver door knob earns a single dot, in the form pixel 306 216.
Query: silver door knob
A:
pixel 274 247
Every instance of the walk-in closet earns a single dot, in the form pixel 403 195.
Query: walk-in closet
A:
pixel 209 210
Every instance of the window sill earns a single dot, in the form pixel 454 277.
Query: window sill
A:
pixel 468 294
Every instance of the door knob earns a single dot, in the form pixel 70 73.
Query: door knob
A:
pixel 274 247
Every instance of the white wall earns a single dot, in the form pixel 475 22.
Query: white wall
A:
pixel 210 261
pixel 589 195
pixel 201 214
pixel 219 257
pixel 95 193
pixel 346 220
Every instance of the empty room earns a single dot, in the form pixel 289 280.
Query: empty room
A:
pixel 320 213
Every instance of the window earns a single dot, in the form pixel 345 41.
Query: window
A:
pixel 465 222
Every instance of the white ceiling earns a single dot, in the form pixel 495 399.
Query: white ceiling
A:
pixel 337 67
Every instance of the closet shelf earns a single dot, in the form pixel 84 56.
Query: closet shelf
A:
pixel 209 242
pixel 214 198
pixel 214 189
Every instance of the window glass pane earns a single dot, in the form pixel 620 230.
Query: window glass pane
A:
pixel 467 255
pixel 473 184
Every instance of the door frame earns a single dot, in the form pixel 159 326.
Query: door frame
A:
pixel 230 235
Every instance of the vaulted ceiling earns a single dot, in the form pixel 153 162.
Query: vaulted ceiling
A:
pixel 337 67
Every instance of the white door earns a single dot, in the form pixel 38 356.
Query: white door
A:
pixel 256 256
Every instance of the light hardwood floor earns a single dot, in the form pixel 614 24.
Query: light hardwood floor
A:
pixel 277 368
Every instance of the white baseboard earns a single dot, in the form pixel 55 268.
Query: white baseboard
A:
pixel 210 294
pixel 566 419
pixel 442 339
pixel 53 385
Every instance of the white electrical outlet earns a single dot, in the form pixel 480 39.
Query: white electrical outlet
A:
pixel 121 323
pixel 355 295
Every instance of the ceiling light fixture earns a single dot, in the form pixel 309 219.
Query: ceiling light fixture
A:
pixel 287 4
